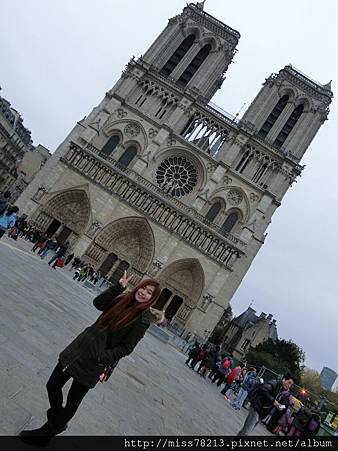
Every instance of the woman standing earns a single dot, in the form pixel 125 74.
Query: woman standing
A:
pixel 97 350
pixel 8 219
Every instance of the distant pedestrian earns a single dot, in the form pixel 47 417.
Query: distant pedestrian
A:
pixel 192 354
pixel 69 258
pixel 60 252
pixel 247 386
pixel 51 245
pixel 234 373
pixel 224 368
pixel 8 219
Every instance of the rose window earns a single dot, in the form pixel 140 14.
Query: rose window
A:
pixel 177 176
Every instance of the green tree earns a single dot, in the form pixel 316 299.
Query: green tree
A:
pixel 280 356
pixel 310 380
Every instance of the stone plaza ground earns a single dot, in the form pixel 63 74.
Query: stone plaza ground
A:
pixel 152 392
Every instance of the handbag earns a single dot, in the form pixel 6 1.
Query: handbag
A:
pixel 60 262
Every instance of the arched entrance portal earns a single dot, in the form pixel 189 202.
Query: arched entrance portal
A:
pixel 183 283
pixel 124 244
pixel 65 215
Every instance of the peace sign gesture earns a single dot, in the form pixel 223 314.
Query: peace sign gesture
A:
pixel 124 279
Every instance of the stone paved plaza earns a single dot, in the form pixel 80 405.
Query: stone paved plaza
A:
pixel 152 392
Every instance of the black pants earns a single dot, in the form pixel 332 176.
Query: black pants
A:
pixel 76 394
pixel 219 377
pixel 2 232
pixel 53 259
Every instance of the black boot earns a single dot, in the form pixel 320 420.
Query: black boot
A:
pixel 41 436
pixel 52 416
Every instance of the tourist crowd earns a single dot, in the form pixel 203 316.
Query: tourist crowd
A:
pixel 271 402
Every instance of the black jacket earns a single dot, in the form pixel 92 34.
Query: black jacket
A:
pixel 262 398
pixel 98 346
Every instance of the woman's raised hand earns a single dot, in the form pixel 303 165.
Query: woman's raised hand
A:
pixel 124 279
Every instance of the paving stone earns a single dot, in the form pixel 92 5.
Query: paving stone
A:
pixel 151 392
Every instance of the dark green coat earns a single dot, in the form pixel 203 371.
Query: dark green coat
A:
pixel 96 347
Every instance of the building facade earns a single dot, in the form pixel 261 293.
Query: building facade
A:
pixel 15 141
pixel 159 181
pixel 248 330
pixel 327 378
pixel 27 169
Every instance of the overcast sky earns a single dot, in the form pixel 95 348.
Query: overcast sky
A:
pixel 58 58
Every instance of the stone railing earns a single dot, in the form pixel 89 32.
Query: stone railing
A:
pixel 170 199
pixel 153 203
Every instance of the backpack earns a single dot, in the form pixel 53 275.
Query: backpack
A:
pixel 249 382
pixel 227 364
pixel 312 425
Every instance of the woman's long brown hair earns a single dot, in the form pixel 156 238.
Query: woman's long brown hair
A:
pixel 126 309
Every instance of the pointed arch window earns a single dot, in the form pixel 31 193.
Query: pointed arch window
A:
pixel 127 157
pixel 290 123
pixel 177 56
pixel 230 222
pixel 194 66
pixel 110 145
pixel 213 211
pixel 273 116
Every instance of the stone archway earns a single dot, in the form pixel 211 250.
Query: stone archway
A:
pixel 65 215
pixel 183 284
pixel 126 243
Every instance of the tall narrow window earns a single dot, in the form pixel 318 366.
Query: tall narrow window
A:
pixel 213 211
pixel 110 146
pixel 290 123
pixel 126 158
pixel 194 66
pixel 245 160
pixel 230 222
pixel 273 116
pixel 177 55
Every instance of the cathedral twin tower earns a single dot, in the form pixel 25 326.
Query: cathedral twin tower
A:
pixel 159 182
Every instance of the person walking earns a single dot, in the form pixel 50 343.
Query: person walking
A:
pixel 69 258
pixel 60 252
pixel 51 245
pixel 262 399
pixel 8 219
pixel 93 355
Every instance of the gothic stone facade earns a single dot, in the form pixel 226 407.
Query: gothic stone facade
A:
pixel 158 180
pixel 15 142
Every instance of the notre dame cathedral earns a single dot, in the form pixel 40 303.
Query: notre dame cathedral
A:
pixel 159 181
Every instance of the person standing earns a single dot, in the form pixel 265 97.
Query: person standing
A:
pixel 224 369
pixel 8 219
pixel 61 251
pixel 248 384
pixel 262 400
pixel 192 354
pixel 284 398
pixel 93 355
